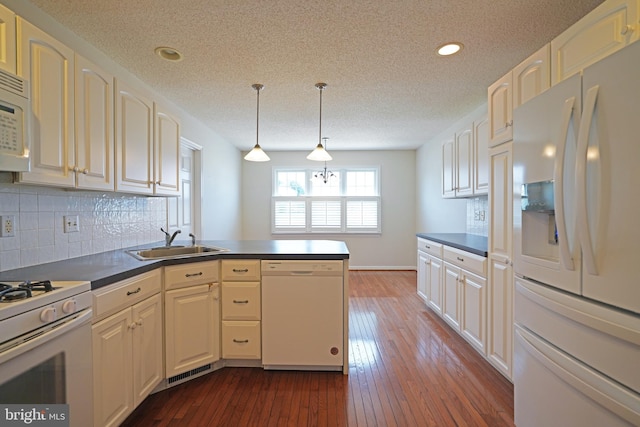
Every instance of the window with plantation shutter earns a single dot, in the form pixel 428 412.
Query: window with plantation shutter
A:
pixel 348 202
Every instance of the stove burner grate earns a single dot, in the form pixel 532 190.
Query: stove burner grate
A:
pixel 9 293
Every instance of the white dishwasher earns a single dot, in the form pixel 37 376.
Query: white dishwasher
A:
pixel 302 315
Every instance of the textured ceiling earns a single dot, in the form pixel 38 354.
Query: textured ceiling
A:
pixel 387 89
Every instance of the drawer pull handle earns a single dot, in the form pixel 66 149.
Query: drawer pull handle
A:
pixel 238 270
pixel 133 292
pixel 246 301
pixel 460 259
pixel 240 341
pixel 427 246
pixel 193 274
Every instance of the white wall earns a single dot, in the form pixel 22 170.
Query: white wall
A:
pixel 393 249
pixel 435 214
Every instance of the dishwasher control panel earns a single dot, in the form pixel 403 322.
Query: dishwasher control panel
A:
pixel 302 267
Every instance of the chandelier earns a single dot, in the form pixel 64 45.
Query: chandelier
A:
pixel 324 174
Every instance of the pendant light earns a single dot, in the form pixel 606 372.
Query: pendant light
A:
pixel 256 154
pixel 324 175
pixel 319 153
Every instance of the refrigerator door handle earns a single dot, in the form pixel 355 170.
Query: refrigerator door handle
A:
pixel 581 180
pixel 558 179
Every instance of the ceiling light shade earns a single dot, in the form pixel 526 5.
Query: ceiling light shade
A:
pixel 449 49
pixel 256 154
pixel 319 153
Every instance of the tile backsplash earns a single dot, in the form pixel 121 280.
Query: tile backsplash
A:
pixel 478 216
pixel 107 221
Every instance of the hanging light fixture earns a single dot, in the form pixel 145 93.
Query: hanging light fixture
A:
pixel 324 174
pixel 256 154
pixel 319 153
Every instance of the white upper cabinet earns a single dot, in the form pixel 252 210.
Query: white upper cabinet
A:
pixel 94 126
pixel 166 153
pixel 481 158
pixel 7 40
pixel 532 76
pixel 607 29
pixel 134 141
pixel 526 80
pixel 449 168
pixel 500 109
pixel 49 66
pixel 464 162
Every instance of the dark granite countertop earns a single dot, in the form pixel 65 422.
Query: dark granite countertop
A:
pixel 109 267
pixel 467 242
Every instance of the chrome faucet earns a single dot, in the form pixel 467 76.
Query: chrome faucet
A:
pixel 168 238
pixel 193 239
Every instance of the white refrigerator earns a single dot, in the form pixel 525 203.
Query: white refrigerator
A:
pixel 576 174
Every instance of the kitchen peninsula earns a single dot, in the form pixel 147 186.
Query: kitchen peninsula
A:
pixel 153 324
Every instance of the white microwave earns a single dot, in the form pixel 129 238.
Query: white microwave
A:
pixel 14 123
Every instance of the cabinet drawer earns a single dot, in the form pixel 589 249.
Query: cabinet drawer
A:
pixel 241 340
pixel 241 270
pixel 241 301
pixel 470 262
pixel 430 247
pixel 112 298
pixel 179 276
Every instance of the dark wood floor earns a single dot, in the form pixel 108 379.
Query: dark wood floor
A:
pixel 407 368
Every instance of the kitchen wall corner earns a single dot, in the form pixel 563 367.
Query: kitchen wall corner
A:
pixel 478 216
pixel 108 221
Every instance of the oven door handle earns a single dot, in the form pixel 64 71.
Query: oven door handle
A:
pixel 27 342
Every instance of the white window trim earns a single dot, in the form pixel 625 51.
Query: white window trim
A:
pixel 308 200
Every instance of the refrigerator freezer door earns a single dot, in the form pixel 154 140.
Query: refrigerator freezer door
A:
pixel 611 180
pixel 544 148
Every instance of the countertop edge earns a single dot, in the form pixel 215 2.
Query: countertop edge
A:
pixel 472 243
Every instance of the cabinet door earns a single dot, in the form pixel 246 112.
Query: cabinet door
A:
pixel 481 156
pixel 49 67
pixel 7 40
pixel 532 76
pixel 434 290
pixel 500 111
pixel 605 30
pixel 500 315
pixel 192 328
pixel 474 308
pixel 464 162
pixel 423 260
pixel 112 369
pixel 448 169
pixel 134 141
pixel 94 126
pixel 147 347
pixel 450 307
pixel 500 200
pixel 167 153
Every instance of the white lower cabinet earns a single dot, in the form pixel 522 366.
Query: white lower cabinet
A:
pixel 453 283
pixel 241 310
pixel 192 317
pixel 126 346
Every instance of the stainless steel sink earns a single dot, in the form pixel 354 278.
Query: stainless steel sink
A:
pixel 172 252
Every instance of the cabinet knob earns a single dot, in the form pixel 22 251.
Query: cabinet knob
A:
pixel 627 29
pixel 74 169
pixel 85 171
pixel 132 325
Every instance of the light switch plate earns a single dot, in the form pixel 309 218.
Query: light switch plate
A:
pixel 71 224
pixel 7 226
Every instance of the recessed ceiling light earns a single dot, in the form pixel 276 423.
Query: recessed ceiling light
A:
pixel 168 53
pixel 449 49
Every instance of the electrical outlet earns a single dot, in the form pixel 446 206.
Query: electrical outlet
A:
pixel 71 224
pixel 8 226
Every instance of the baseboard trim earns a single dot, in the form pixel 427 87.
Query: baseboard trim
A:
pixel 382 267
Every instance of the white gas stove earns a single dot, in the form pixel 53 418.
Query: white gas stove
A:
pixel 28 306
